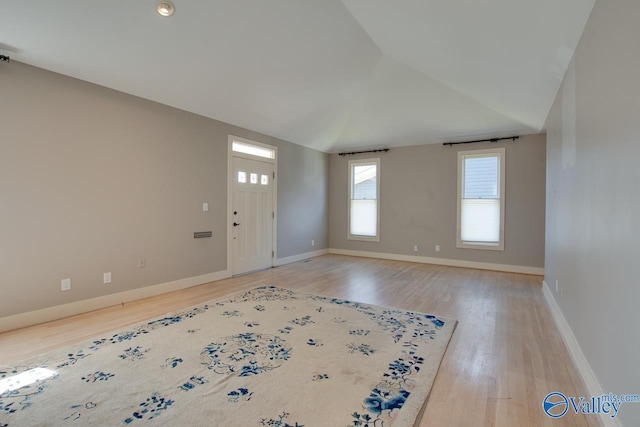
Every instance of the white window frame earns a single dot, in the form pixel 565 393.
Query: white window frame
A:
pixel 363 162
pixel 500 152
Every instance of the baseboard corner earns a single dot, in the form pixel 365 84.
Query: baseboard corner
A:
pixel 300 257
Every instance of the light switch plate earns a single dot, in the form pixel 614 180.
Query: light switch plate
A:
pixel 205 207
pixel 65 284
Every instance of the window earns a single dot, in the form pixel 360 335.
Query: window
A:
pixel 364 196
pixel 481 199
pixel 254 150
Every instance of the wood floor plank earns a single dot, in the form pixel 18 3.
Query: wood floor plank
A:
pixel 505 355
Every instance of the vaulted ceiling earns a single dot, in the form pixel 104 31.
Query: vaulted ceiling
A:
pixel 327 74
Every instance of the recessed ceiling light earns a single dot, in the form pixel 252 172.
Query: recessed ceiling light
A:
pixel 165 8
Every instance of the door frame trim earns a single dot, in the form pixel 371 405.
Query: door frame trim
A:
pixel 231 154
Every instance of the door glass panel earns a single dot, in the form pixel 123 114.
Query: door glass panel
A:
pixel 242 177
pixel 254 178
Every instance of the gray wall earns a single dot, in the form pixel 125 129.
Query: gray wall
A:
pixel 418 203
pixel 303 201
pixel 92 179
pixel 593 198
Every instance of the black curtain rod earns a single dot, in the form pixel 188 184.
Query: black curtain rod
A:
pixel 384 150
pixel 481 140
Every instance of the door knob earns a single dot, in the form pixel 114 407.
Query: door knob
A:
pixel 235 224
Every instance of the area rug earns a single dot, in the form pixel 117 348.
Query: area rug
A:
pixel 264 357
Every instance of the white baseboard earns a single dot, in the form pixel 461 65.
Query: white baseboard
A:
pixel 584 369
pixel 300 257
pixel 443 261
pixel 30 318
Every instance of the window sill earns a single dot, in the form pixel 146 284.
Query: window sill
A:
pixel 364 238
pixel 481 246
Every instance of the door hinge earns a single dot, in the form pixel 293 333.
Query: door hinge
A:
pixel 274 175
pixel 273 215
pixel 273 254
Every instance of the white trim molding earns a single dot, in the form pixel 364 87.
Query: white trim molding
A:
pixel 579 360
pixel 31 318
pixel 300 257
pixel 443 261
pixel 352 164
pixel 500 154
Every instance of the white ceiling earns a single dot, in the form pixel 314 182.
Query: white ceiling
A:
pixel 327 74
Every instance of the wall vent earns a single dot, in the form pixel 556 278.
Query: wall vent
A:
pixel 202 234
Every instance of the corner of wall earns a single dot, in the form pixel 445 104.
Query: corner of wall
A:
pixel 582 365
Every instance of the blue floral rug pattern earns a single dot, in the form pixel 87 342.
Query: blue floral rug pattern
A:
pixel 264 357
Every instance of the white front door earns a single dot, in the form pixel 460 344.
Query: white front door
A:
pixel 252 215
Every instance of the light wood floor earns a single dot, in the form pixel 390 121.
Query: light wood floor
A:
pixel 505 355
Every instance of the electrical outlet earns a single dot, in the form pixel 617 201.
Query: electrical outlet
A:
pixel 65 284
pixel 141 262
pixel 313 243
pixel 437 248
pixel 106 278
pixel 205 207
pixel 416 248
